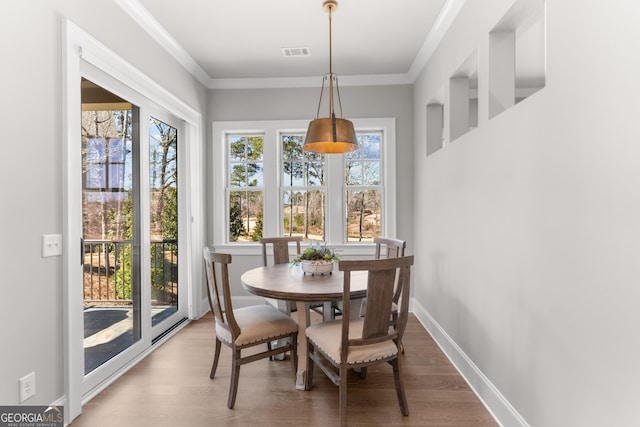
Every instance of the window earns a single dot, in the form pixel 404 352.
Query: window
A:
pixel 245 186
pixel 265 184
pixel 104 161
pixel 303 190
pixel 363 199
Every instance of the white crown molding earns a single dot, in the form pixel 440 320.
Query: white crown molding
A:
pixel 298 82
pixel 142 17
pixel 444 20
pixel 147 22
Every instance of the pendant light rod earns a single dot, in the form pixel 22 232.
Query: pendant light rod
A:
pixel 330 5
pixel 331 134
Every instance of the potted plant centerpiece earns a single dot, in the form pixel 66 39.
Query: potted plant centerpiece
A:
pixel 316 259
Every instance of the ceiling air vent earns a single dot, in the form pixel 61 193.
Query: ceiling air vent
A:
pixel 290 52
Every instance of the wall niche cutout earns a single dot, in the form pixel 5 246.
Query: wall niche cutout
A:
pixel 463 97
pixel 517 55
pixel 436 132
pixel 435 127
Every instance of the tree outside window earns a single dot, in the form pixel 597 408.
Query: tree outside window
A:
pixel 303 190
pixel 363 195
pixel 245 184
pixel 339 199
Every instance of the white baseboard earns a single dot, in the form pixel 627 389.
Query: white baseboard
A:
pixel 497 405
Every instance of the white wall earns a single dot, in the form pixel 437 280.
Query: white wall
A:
pixel 31 194
pixel 527 229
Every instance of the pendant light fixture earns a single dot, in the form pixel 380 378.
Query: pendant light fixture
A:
pixel 330 134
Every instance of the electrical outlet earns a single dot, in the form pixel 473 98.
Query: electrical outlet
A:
pixel 27 386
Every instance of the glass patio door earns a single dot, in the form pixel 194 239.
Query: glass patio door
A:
pixel 130 211
pixel 110 225
pixel 163 225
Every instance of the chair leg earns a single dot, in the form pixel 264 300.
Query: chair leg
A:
pixel 294 355
pixel 309 374
pixel 363 372
pixel 235 376
pixel 283 342
pixel 343 396
pixel 216 357
pixel 402 399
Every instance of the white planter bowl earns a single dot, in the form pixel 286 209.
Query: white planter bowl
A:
pixel 316 267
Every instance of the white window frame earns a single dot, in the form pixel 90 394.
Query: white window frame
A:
pixel 335 185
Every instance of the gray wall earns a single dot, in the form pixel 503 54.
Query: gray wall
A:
pixel 527 228
pixel 357 102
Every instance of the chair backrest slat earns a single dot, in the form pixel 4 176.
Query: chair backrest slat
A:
pixel 379 298
pixel 218 291
pixel 403 301
pixel 394 248
pixel 280 248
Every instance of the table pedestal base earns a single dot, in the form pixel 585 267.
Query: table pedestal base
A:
pixel 301 378
pixel 304 320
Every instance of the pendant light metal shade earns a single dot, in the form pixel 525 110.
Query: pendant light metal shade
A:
pixel 331 134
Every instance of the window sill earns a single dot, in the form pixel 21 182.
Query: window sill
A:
pixel 254 249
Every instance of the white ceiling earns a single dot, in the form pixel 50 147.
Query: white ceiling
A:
pixel 238 43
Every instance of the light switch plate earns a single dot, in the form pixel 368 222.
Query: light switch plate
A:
pixel 51 245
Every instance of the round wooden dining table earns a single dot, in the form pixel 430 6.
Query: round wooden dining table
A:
pixel 290 283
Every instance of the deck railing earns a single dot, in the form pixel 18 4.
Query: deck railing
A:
pixel 107 272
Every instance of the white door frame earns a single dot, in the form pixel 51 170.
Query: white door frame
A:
pixel 79 46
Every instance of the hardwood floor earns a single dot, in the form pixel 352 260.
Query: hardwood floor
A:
pixel 171 387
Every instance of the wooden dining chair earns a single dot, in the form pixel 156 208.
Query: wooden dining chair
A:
pixel 280 247
pixel 388 248
pixel 246 327
pixel 340 345
pixel 280 256
pixel 393 248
